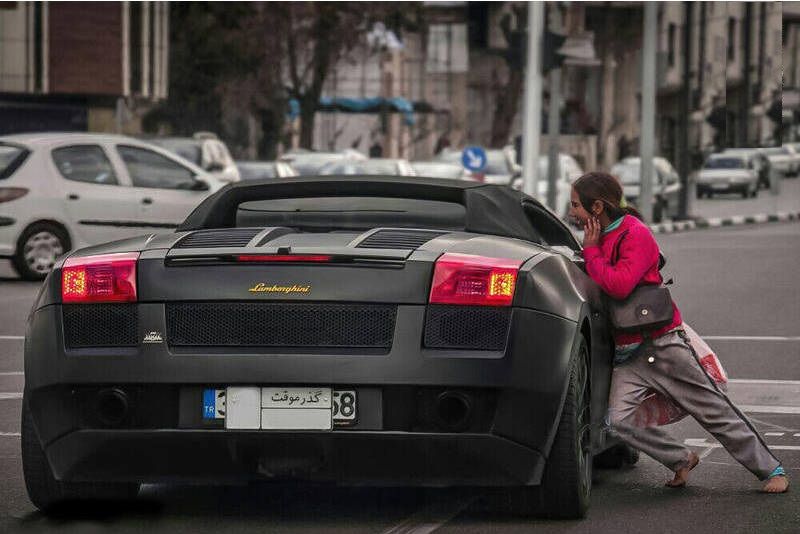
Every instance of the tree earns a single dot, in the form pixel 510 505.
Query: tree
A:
pixel 509 93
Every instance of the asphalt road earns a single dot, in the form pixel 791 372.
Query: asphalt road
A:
pixel 735 285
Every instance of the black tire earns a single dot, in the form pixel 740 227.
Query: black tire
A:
pixel 566 486
pixel 658 212
pixel 58 241
pixel 616 457
pixel 45 492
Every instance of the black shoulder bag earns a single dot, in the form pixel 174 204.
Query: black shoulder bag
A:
pixel 647 308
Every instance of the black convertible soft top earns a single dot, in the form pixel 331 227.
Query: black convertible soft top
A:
pixel 490 209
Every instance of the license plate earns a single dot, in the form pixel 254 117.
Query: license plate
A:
pixel 281 408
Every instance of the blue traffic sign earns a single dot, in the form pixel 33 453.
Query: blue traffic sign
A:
pixel 474 158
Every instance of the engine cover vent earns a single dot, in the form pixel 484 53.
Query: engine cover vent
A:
pixel 224 237
pixel 393 239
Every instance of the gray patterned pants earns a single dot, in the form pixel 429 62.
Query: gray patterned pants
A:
pixel 669 366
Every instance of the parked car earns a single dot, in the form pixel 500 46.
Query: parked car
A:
pixel 666 185
pixel 331 349
pixel 569 170
pixel 761 163
pixel 372 166
pixel 205 150
pixel 441 169
pixel 783 159
pixel 728 173
pixel 501 167
pixel 309 163
pixel 60 191
pixel 260 170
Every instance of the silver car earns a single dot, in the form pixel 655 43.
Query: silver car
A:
pixel 728 173
pixel 666 185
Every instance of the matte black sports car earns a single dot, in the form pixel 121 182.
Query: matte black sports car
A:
pixel 348 330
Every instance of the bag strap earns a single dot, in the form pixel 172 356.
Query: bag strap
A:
pixel 615 250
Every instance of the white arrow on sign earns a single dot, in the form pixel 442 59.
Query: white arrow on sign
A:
pixel 475 160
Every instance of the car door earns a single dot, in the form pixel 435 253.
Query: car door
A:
pixel 96 200
pixel 164 187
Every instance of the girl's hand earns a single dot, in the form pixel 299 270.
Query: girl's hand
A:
pixel 591 233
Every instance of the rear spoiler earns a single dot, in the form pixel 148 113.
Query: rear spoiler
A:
pixel 490 209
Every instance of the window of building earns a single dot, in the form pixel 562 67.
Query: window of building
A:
pixel 478 20
pixel 447 48
pixel 84 163
pixel 150 169
pixel 671 45
pixel 731 39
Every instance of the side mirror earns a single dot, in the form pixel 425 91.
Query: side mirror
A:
pixel 198 185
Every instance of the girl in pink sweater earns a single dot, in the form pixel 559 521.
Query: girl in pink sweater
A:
pixel 621 253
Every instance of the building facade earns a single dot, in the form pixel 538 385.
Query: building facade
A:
pixel 81 66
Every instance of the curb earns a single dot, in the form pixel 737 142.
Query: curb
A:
pixel 716 222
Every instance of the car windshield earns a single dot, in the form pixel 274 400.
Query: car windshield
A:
pixel 629 173
pixel 257 171
pixel 188 149
pixel 8 156
pixel 725 163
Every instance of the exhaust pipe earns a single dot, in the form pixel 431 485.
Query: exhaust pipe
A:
pixel 112 406
pixel 453 410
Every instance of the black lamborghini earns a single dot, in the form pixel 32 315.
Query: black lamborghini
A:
pixel 348 330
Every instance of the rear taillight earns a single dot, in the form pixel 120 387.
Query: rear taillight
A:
pixel 12 193
pixel 104 278
pixel 474 280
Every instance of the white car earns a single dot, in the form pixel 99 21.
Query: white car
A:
pixel 728 173
pixel 666 185
pixel 783 159
pixel 368 167
pixel 309 163
pixel 265 170
pixel 61 191
pixel 500 165
pixel 205 150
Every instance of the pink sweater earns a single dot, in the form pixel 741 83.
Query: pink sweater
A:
pixel 637 263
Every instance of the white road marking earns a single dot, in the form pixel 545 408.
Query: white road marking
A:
pixel 774 433
pixel 12 337
pixel 10 396
pixel 430 518
pixel 752 338
pixel 797 435
pixel 757 408
pixel 12 373
pixel 701 442
pixel 766 382
pixel 9 434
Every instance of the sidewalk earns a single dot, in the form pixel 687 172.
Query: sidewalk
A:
pixel 729 210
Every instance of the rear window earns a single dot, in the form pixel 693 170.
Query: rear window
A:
pixel 325 214
pixel 11 157
pixel 725 163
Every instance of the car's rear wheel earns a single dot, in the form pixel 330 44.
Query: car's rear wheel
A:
pixel 44 491
pixel 38 248
pixel 567 480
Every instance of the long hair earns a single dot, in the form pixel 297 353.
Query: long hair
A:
pixel 605 188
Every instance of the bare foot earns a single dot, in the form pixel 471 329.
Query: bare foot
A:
pixel 776 484
pixel 682 474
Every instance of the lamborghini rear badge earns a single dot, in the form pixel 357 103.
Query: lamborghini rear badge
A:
pixel 264 288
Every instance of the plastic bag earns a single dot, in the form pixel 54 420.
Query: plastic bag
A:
pixel 657 410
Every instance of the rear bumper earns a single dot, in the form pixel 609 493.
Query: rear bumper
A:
pixel 525 384
pixel 345 458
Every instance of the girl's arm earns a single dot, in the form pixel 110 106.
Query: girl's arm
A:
pixel 638 253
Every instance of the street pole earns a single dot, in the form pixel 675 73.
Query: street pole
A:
pixel 532 105
pixel 647 135
pixel 684 163
pixel 553 126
